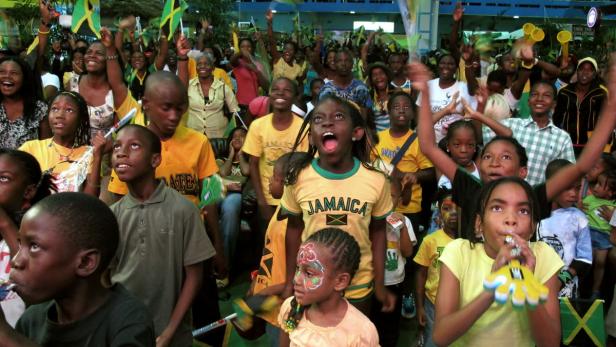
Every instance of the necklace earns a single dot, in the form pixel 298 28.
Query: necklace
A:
pixel 63 157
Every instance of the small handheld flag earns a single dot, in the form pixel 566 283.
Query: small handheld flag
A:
pixel 172 17
pixel 87 12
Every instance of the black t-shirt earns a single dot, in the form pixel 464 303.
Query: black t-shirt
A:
pixel 465 193
pixel 121 321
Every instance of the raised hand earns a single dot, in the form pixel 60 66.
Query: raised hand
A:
pixel 106 37
pixel 269 16
pixel 419 75
pixel 182 47
pixel 458 12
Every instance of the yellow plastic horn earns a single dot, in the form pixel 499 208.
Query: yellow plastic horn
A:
pixel 564 37
pixel 528 29
pixel 537 35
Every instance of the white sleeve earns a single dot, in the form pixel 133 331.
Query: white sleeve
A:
pixel 409 227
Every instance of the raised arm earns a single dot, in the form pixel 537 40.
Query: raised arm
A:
pixel 43 33
pixel 481 119
pixel 594 147
pixel 528 60
pixel 269 16
pixel 182 48
pixel 419 76
pixel 114 71
pixel 163 52
pixel 366 48
pixel 455 30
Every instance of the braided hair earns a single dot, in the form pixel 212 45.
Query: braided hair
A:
pixel 82 134
pixel 345 254
pixel 363 149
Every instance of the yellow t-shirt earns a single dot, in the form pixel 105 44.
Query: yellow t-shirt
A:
pixel 218 73
pixel 268 144
pixel 354 330
pixel 128 104
pixel 187 157
pixel 282 69
pixel 59 159
pixel 272 267
pixel 428 254
pixel 412 161
pixel 500 325
pixel 346 201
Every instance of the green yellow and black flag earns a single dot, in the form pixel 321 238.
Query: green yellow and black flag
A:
pixel 582 322
pixel 171 17
pixel 87 12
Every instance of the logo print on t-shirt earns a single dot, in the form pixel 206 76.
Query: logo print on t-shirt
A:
pixel 336 219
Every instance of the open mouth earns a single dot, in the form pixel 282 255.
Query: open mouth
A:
pixel 7 84
pixel 330 142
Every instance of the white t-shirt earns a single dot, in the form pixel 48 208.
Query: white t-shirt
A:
pixel 50 79
pixel 440 98
pixel 444 181
pixel 12 306
pixel 394 261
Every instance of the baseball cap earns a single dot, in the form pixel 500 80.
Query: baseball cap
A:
pixel 588 60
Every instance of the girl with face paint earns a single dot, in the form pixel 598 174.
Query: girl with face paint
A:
pixel 318 314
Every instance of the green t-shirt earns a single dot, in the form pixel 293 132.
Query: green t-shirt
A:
pixel 595 221
pixel 121 321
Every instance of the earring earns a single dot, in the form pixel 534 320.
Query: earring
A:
pixel 353 139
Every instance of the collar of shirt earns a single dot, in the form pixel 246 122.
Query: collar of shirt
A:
pixel 530 121
pixel 157 197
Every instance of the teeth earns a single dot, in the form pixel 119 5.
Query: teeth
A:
pixel 121 166
pixel 329 133
pixel 279 100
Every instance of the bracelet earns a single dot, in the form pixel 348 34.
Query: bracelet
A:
pixel 182 58
pixel 44 32
pixel 112 57
pixel 531 65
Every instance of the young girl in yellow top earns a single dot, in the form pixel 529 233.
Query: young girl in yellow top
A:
pixel 318 314
pixel 466 313
pixel 340 188
pixel 64 153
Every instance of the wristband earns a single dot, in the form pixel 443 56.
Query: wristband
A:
pixel 182 58
pixel 111 57
pixel 531 65
pixel 43 32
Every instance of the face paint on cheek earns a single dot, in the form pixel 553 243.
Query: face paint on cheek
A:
pixel 307 257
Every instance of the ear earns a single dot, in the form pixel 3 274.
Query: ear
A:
pixel 358 133
pixel 156 159
pixel 478 228
pixel 144 103
pixel 342 281
pixel 522 172
pixel 29 194
pixel 88 261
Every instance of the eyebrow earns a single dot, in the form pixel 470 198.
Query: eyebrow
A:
pixel 501 201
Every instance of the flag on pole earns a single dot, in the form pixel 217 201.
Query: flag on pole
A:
pixel 87 12
pixel 171 17
pixel 33 45
pixel 408 11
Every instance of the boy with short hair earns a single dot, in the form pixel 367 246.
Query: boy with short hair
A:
pixel 160 231
pixel 67 242
pixel 567 231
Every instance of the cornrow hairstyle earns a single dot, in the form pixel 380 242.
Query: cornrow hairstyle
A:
pixel 82 134
pixel 31 89
pixel 345 254
pixel 486 193
pixel 31 170
pixel 461 124
pixel 363 149
pixel 519 149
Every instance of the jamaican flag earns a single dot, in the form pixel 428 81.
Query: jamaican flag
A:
pixel 171 17
pixel 87 18
pixel 582 322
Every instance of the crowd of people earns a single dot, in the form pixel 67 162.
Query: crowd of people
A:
pixel 370 190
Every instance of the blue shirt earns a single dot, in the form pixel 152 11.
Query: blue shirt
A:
pixel 356 91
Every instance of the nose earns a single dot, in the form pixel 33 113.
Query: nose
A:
pixel 18 260
pixel 510 218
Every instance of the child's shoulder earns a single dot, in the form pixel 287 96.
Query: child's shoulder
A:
pixel 569 212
